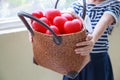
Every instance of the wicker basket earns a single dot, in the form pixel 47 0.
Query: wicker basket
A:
pixel 56 52
pixel 60 58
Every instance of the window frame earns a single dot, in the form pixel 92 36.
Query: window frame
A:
pixel 11 25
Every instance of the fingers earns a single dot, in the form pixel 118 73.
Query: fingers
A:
pixel 30 38
pixel 89 37
pixel 86 43
pixel 84 48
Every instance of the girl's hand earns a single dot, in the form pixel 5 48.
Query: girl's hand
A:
pixel 84 48
pixel 30 38
pixel 75 16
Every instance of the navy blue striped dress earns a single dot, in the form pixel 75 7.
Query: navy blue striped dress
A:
pixel 99 68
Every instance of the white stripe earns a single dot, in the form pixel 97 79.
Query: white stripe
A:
pixel 98 48
pixel 97 52
pixel 102 45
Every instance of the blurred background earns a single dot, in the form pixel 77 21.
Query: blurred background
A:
pixel 16 55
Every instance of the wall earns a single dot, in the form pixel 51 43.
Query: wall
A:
pixel 16 58
pixel 114 51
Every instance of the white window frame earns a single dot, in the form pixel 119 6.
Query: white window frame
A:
pixel 9 25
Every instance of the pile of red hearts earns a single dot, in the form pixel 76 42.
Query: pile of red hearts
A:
pixel 60 23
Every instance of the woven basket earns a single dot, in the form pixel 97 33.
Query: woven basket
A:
pixel 60 58
pixel 56 52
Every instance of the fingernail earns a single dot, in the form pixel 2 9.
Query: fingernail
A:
pixel 77 44
pixel 76 50
pixel 77 53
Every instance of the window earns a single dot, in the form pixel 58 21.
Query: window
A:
pixel 9 9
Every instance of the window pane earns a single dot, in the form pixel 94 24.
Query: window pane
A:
pixel 9 8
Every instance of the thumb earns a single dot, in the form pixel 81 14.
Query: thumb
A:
pixel 89 37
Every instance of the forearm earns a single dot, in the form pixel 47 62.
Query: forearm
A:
pixel 101 26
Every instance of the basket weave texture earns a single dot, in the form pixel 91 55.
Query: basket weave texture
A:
pixel 60 58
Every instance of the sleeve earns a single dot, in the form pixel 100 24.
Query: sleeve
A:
pixel 114 10
pixel 75 7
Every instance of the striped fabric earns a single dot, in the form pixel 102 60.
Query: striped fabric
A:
pixel 95 12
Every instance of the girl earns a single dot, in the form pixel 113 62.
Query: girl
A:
pixel 102 14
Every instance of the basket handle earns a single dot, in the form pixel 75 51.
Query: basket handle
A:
pixel 56 39
pixel 84 9
pixel 56 3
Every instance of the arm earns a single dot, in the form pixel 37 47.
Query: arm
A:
pixel 101 26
